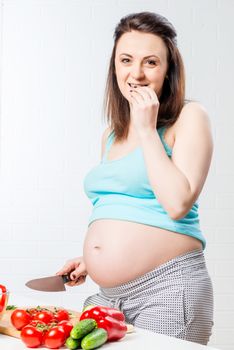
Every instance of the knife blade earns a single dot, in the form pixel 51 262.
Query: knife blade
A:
pixel 49 284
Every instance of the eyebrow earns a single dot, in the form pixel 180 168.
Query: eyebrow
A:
pixel 126 54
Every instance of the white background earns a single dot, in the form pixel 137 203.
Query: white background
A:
pixel 53 65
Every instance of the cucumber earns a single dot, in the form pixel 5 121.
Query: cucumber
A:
pixel 82 328
pixel 72 343
pixel 94 339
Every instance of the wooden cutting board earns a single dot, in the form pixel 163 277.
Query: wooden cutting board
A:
pixel 8 329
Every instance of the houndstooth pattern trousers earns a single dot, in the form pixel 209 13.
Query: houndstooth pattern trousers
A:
pixel 175 299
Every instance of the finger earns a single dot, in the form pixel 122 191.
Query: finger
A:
pixel 141 100
pixel 67 268
pixel 80 280
pixel 138 94
pixel 136 98
pixel 143 92
pixel 151 92
pixel 79 271
pixel 77 282
pixel 74 275
pixel 63 271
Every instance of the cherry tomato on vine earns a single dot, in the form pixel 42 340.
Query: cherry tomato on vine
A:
pixel 20 318
pixel 66 326
pixel 31 336
pixel 54 337
pixel 33 311
pixel 45 316
pixel 61 315
pixel 35 323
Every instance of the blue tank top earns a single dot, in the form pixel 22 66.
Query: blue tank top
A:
pixel 120 189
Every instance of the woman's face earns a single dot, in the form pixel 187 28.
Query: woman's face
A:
pixel 141 58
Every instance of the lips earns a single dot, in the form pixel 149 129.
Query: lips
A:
pixel 133 85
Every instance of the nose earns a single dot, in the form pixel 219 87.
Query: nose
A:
pixel 137 71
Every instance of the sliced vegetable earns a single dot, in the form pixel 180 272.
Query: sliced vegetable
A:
pixel 3 297
pixel 94 339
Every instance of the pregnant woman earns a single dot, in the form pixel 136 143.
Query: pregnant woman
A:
pixel 144 247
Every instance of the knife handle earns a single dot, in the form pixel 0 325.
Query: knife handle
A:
pixel 66 278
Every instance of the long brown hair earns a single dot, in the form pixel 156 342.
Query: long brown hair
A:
pixel 172 99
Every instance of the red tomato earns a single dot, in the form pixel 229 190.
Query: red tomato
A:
pixel 33 311
pixel 66 326
pixel 61 315
pixel 35 323
pixel 20 318
pixel 44 316
pixel 54 338
pixel 31 336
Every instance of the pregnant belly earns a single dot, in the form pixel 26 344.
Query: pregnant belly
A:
pixel 116 251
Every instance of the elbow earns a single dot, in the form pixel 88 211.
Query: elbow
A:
pixel 177 214
pixel 179 209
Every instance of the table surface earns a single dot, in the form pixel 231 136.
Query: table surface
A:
pixel 139 339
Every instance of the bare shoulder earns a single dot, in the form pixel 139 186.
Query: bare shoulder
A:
pixel 193 131
pixel 193 115
pixel 105 135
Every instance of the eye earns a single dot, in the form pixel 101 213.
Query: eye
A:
pixel 151 62
pixel 124 59
pixel 154 62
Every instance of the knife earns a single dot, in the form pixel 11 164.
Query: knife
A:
pixel 49 284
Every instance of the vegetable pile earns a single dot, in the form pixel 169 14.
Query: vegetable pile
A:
pixel 41 326
pixel 53 329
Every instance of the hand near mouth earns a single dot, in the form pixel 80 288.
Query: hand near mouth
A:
pixel 144 106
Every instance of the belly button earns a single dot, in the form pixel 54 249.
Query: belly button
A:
pixel 97 247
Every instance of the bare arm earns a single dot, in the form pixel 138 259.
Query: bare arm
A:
pixel 177 182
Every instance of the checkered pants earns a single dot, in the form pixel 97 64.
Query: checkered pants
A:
pixel 175 299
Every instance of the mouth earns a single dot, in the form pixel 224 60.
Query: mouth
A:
pixel 134 85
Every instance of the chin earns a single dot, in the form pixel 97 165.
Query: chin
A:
pixel 126 96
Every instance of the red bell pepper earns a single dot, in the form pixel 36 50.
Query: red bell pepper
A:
pixel 102 311
pixel 3 297
pixel 116 329
pixel 112 320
